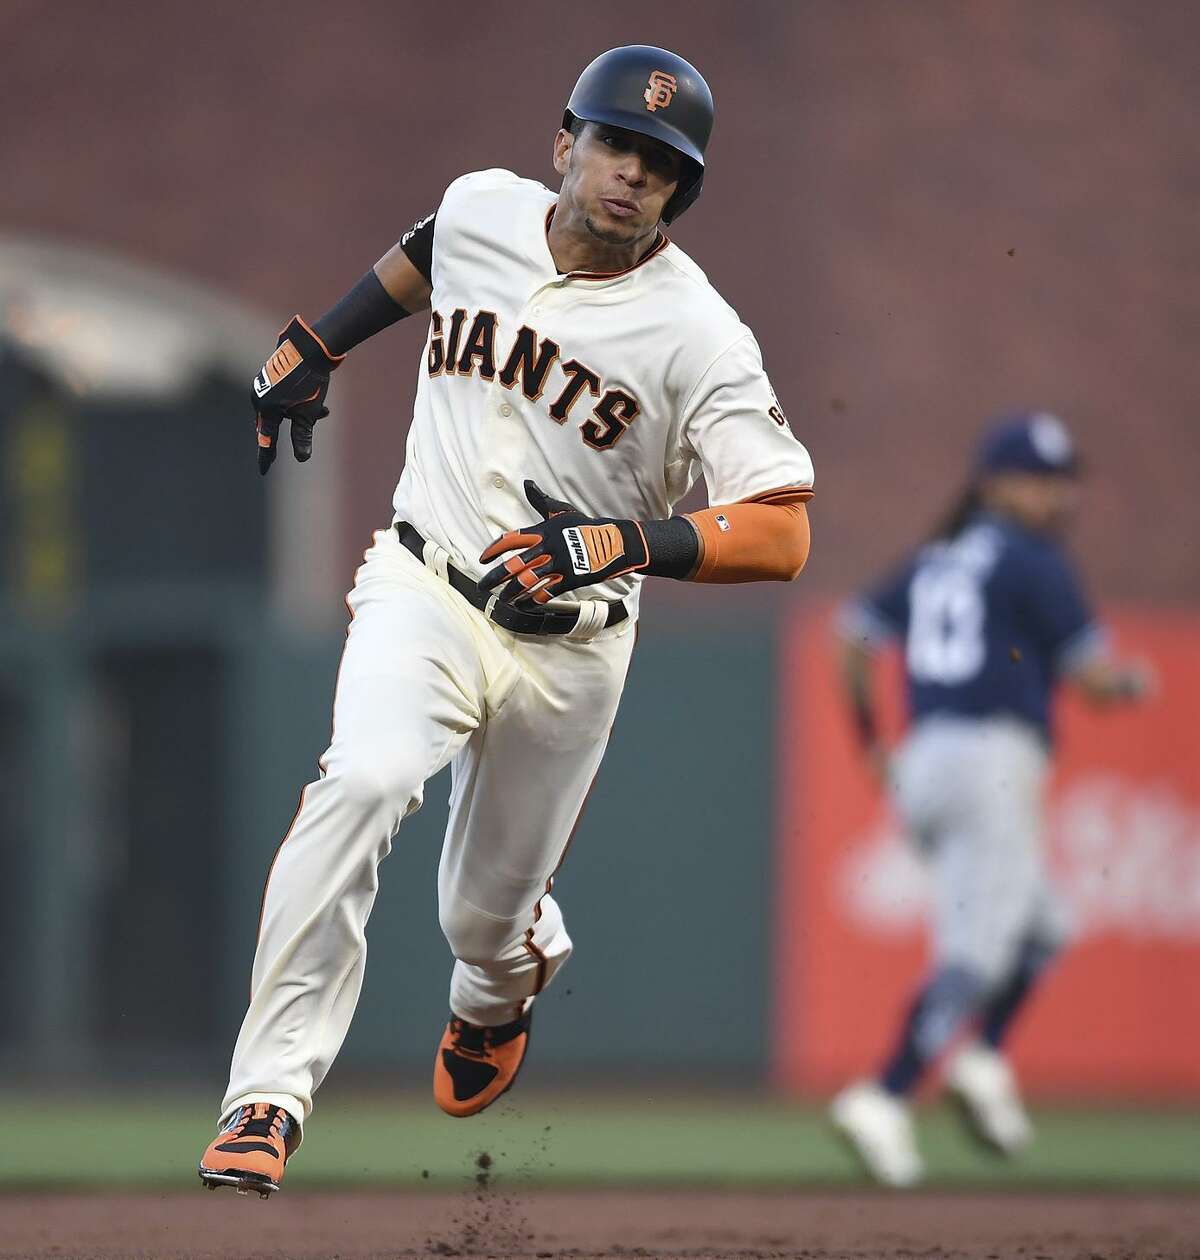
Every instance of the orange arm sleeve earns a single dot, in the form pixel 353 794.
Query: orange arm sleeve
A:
pixel 753 542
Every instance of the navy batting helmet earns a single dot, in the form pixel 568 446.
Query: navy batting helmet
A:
pixel 658 94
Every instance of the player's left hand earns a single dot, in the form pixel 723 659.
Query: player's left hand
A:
pixel 566 551
pixel 879 761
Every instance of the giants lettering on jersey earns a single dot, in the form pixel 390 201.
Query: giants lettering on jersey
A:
pixel 459 348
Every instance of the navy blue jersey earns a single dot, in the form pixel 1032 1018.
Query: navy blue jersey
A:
pixel 989 621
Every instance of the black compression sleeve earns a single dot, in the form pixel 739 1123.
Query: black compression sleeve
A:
pixel 417 244
pixel 673 547
pixel 367 309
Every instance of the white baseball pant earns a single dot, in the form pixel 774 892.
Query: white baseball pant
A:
pixel 969 791
pixel 426 680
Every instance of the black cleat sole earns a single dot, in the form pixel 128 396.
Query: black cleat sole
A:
pixel 242 1182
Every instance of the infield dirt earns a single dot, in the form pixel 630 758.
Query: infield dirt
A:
pixel 488 1221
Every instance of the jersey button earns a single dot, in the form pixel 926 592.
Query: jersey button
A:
pixel 498 482
pixel 505 410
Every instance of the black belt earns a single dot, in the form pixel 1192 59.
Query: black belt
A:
pixel 533 620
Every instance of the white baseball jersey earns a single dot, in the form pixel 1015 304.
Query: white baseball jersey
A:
pixel 613 392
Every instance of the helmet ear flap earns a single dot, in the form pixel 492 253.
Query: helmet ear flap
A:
pixel 690 184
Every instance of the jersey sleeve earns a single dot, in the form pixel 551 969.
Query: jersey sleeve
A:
pixel 1060 616
pixel 462 230
pixel 736 428
pixel 881 613
pixel 427 241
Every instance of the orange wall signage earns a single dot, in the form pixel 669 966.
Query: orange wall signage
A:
pixel 1120 1013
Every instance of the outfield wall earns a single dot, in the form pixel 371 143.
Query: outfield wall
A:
pixel 156 768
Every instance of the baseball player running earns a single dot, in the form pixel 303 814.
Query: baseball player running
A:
pixel 579 374
pixel 992 619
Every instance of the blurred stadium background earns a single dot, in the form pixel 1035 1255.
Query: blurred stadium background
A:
pixel 927 213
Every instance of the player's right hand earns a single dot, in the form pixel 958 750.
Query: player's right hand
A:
pixel 1139 680
pixel 292 386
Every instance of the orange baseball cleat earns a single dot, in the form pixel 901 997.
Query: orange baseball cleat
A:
pixel 475 1065
pixel 251 1150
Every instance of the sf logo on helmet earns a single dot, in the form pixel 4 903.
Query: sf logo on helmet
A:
pixel 659 90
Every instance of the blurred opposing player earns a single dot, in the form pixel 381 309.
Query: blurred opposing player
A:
pixel 991 618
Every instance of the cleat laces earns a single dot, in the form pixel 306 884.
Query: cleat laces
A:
pixel 469 1041
pixel 259 1121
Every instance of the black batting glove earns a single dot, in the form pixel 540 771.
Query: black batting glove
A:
pixel 567 551
pixel 292 386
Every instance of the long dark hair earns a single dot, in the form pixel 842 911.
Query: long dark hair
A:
pixel 958 515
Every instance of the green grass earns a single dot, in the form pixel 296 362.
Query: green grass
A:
pixel 648 1140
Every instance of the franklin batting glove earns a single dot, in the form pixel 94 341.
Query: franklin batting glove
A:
pixel 292 386
pixel 567 551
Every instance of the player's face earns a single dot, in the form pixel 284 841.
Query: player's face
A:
pixel 617 181
pixel 1041 501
